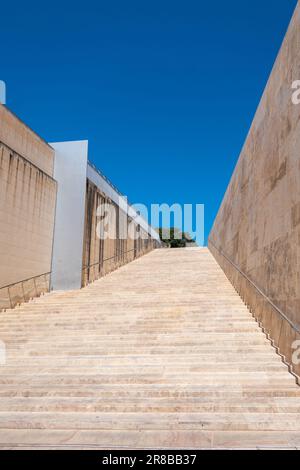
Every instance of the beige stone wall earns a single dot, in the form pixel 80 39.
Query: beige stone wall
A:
pixel 258 225
pixel 27 208
pixel 103 256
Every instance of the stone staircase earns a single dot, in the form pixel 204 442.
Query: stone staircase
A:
pixel 159 354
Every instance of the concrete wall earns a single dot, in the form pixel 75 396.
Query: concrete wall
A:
pixel 27 208
pixel 256 234
pixel 70 174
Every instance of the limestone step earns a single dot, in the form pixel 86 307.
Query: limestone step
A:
pixel 128 379
pixel 267 356
pixel 168 350
pixel 146 342
pixel 36 364
pixel 168 369
pixel 161 353
pixel 144 391
pixel 182 317
pixel 109 439
pixel 55 329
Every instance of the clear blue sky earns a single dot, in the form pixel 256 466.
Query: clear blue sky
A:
pixel 165 91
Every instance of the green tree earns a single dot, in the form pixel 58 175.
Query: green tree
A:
pixel 173 237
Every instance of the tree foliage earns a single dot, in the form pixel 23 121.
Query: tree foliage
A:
pixel 174 238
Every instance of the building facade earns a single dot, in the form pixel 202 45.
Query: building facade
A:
pixel 256 234
pixel 48 214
